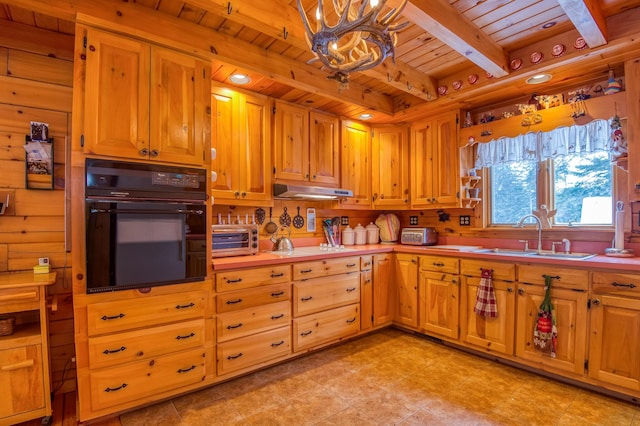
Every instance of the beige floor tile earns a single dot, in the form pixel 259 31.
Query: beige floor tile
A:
pixel 598 409
pixel 386 407
pixel 154 415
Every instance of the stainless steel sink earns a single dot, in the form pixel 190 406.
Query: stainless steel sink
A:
pixel 578 256
pixel 505 252
pixel 544 253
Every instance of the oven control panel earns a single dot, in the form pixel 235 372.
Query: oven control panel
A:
pixel 182 180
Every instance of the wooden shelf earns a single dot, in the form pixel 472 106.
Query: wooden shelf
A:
pixel 469 203
pixel 24 335
pixel 470 181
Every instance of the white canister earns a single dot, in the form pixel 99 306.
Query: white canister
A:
pixel 373 233
pixel 348 236
pixel 361 235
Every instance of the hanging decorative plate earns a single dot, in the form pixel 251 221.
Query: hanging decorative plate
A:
pixel 442 90
pixel 580 44
pixel 516 64
pixel 457 84
pixel 536 57
pixel 558 50
pixel 473 78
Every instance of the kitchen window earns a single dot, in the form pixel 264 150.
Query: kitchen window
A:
pixel 567 170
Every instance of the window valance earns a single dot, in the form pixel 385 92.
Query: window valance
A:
pixel 537 146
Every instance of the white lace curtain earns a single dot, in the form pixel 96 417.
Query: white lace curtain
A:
pixel 536 146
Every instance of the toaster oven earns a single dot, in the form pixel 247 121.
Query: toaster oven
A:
pixel 419 236
pixel 234 240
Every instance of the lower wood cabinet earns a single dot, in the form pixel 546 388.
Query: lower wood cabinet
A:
pixel 252 350
pixel 406 289
pixel 383 296
pixel 22 380
pixel 438 297
pixel 248 321
pixel 327 326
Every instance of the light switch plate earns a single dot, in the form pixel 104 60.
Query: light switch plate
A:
pixel 465 220
pixel 413 220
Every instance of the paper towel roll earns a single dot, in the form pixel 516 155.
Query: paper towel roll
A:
pixel 619 234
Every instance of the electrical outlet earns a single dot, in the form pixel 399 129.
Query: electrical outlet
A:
pixel 43 261
pixel 344 220
pixel 465 220
pixel 413 220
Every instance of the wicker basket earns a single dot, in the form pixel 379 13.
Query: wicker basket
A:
pixel 7 325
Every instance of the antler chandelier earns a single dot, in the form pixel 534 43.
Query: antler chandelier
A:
pixel 361 39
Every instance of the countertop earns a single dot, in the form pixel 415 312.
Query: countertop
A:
pixel 25 279
pixel 265 258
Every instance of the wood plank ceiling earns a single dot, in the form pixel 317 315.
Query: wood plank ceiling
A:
pixel 450 44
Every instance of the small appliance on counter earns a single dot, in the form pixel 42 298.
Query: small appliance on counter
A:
pixel 419 236
pixel 234 240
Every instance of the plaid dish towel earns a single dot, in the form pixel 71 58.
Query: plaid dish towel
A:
pixel 485 297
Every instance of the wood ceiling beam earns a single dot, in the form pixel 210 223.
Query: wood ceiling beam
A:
pixel 588 19
pixel 444 22
pixel 280 20
pixel 140 21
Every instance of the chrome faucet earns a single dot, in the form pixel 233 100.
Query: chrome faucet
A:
pixel 538 227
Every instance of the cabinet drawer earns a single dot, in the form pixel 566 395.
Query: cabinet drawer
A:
pixel 446 264
pixel 568 278
pixel 19 299
pixel 253 320
pixel 247 351
pixel 323 327
pixel 616 283
pixel 143 344
pixel 501 271
pixel 236 300
pixel 246 278
pixel 324 293
pixel 339 265
pixel 117 385
pixel 121 315
pixel 366 262
pixel 21 380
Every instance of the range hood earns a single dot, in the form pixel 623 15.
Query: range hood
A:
pixel 303 192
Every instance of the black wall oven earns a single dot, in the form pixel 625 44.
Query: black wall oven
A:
pixel 145 225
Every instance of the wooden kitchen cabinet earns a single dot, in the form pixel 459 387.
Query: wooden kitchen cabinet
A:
pixel 406 289
pixel 390 168
pixel 614 341
pixel 439 296
pixel 492 334
pixel 383 296
pixel 324 149
pixel 356 164
pixel 366 292
pixel 144 102
pixel 24 355
pixel 435 171
pixel 242 142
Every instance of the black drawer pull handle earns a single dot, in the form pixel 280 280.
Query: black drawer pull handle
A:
pixel 351 321
pixel 275 317
pixel 188 336
pixel 615 284
pixel 236 356
pixel 350 265
pixel 305 271
pixel 277 294
pixel 232 326
pixel 304 299
pixel 184 370
pixel 281 274
pixel 238 280
pixel 350 289
pixel 276 344
pixel 440 264
pixel 233 302
pixel 122 386
pixel 107 318
pixel 113 351
pixel 190 305
pixel 306 333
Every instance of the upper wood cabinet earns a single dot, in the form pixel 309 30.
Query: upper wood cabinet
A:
pixel 306 145
pixel 356 163
pixel 390 167
pixel 435 171
pixel 144 102
pixel 241 138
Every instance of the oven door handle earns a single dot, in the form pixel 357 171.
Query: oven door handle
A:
pixel 178 211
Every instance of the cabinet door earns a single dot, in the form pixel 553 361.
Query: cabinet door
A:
pixel 383 297
pixel 406 275
pixel 324 149
pixel 291 142
pixel 356 163
pixel 21 380
pixel 179 112
pixel 366 299
pixel 493 334
pixel 614 345
pixel 254 169
pixel 116 115
pixel 438 303
pixel 571 316
pixel 390 169
pixel 224 121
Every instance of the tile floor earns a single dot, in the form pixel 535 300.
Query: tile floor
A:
pixel 389 378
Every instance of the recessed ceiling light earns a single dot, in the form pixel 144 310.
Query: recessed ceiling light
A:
pixel 365 116
pixel 538 78
pixel 240 78
pixel 549 25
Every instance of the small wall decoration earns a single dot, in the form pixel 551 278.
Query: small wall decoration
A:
pixel 38 157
